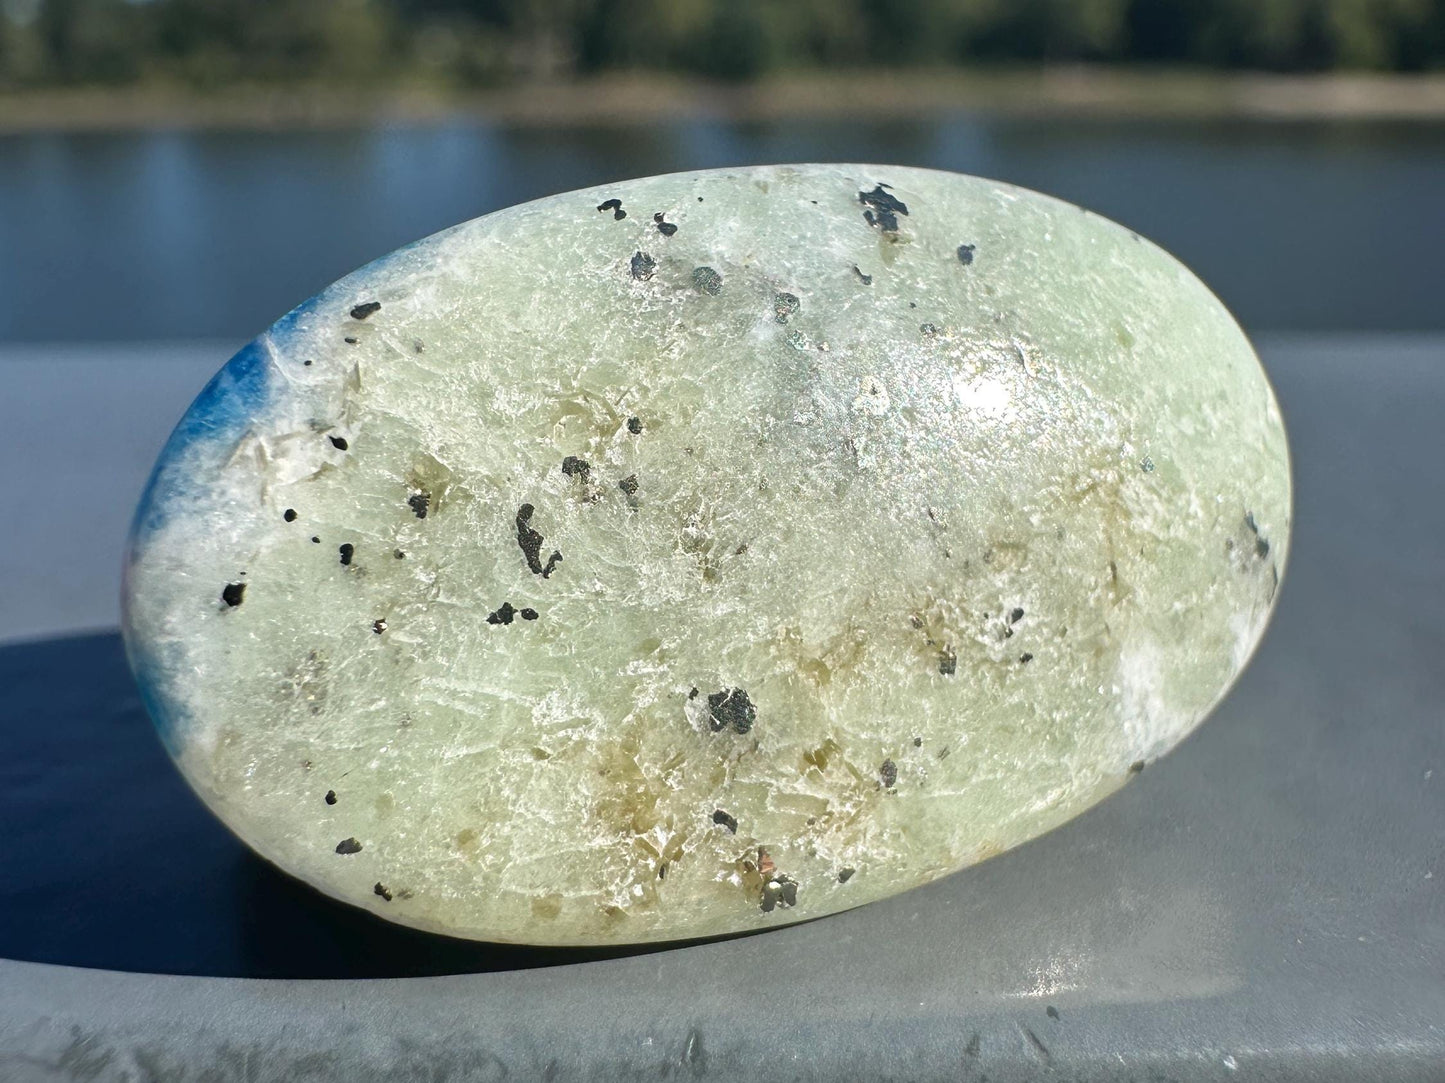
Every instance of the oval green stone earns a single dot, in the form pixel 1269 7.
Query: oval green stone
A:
pixel 707 552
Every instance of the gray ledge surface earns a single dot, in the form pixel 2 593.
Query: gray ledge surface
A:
pixel 1265 903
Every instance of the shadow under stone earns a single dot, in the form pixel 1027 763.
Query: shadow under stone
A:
pixel 112 862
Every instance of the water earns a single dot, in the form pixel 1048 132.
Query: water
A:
pixel 182 234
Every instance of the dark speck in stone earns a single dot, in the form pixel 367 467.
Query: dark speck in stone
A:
pixel 667 229
pixel 574 467
pixel 1025 658
pixel 315 539
pixel 928 330
pixel 1261 544
pixel 867 280
pixel 339 442
pixel 643 266
pixel 844 875
pixel 378 626
pixel 362 311
pixel 731 707
pixel 722 818
pixel 779 891
pixel 398 554
pixel 918 742
pixel 888 773
pixel 331 797
pixel 419 503
pixel 502 615
pixel 307 362
pixel 662 871
pixel 348 846
pixel 629 485
pixel 347 551
pixel 350 341
pixel 1136 767
pixel 947 663
pixel 531 542
pixel 527 614
pixel 1015 616
pixel 965 253
pixel 1051 1012
pixel 615 206
pixel 784 305
pixel 693 693
pixel 380 889
pixel 706 280
pixel 233 593
pixel 887 207
pixel 634 425
pixel 289 515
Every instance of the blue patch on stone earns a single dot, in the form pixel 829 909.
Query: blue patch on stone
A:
pixel 229 401
pixel 163 712
pixel 220 412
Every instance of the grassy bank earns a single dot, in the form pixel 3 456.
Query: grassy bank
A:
pixel 1075 91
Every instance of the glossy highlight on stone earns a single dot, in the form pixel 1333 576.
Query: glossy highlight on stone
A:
pixel 706 552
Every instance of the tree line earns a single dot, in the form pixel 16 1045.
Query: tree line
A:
pixel 216 43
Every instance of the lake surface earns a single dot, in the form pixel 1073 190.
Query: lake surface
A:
pixel 192 234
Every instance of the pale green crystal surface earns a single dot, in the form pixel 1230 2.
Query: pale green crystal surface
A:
pixel 980 505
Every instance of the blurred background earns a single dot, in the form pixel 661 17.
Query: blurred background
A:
pixel 192 168
pixel 175 174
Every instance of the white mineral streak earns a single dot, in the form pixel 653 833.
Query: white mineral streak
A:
pixel 973 530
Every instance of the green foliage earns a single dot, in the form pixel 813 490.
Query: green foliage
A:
pixel 207 43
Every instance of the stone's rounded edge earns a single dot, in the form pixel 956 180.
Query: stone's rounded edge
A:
pixel 1272 408
pixel 1282 566
pixel 649 941
pixel 242 382
pixel 242 385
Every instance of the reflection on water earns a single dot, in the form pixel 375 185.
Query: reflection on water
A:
pixel 176 234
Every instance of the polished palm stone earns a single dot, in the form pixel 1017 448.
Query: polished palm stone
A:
pixel 707 552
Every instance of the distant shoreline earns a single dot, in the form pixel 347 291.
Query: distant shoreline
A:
pixel 1060 92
